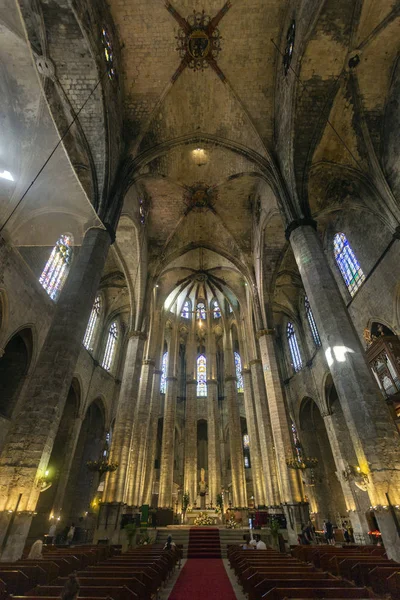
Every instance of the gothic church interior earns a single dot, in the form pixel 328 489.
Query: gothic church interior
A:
pixel 199 264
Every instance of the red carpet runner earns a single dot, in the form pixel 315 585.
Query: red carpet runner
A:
pixel 204 543
pixel 203 579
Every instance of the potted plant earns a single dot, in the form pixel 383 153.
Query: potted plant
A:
pixel 130 529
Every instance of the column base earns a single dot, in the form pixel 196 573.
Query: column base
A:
pixel 297 514
pixel 360 527
pixel 15 528
pixel 109 523
pixel 390 534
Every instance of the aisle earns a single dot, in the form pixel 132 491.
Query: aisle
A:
pixel 203 578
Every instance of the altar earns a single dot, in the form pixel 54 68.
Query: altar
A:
pixel 194 513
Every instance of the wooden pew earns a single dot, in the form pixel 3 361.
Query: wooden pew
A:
pixel 266 585
pixel 36 574
pixel 377 578
pixel 51 569
pixel 115 592
pixel 252 582
pixel 281 593
pixel 393 583
pixel 15 581
pixel 130 581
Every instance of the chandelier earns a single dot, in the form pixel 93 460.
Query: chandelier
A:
pixel 305 462
pixel 102 465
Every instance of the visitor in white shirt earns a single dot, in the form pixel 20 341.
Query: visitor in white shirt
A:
pixel 260 545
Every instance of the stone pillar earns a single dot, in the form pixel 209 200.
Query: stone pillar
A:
pixel 357 509
pixel 257 471
pixel 168 438
pixel 151 435
pixel 213 426
pixel 265 434
pixel 30 440
pixel 190 462
pixel 235 443
pixel 139 442
pixel 372 431
pixel 289 484
pixel 116 482
pixel 69 457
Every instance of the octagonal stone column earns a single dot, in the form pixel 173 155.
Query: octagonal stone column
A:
pixel 372 430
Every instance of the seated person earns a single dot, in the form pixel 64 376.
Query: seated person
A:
pixel 260 545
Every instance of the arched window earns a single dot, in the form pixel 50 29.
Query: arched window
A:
pixel 311 322
pixel 246 451
pixel 216 309
pixel 57 267
pixel 297 445
pixel 239 376
pixel 186 310
pixel 163 381
pixel 91 327
pixel 111 347
pixel 348 264
pixel 201 311
pixel 201 376
pixel 297 363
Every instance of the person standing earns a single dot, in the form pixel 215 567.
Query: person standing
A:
pixel 70 534
pixel 328 532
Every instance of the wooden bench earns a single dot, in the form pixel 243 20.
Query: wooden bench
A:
pixel 115 592
pixel 281 593
pixel 15 581
pixel 266 585
pixel 130 581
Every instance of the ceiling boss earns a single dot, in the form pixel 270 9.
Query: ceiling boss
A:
pixel 199 40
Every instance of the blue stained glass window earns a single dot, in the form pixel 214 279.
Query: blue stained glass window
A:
pixel 246 441
pixel 108 53
pixel 201 376
pixel 56 270
pixel 216 309
pixel 348 264
pixel 297 363
pixel 186 310
pixel 312 323
pixel 239 376
pixel 91 327
pixel 163 382
pixel 201 311
pixel 111 347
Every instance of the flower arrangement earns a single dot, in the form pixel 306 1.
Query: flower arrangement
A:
pixel 231 523
pixel 203 519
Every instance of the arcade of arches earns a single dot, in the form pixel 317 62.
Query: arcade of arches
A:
pixel 200 283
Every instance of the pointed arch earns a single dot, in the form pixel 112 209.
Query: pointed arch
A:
pixel 348 265
pixel 55 272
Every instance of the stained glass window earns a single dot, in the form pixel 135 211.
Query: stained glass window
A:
pixel 91 328
pixel 108 53
pixel 312 323
pixel 111 347
pixel 297 444
pixel 246 451
pixel 246 441
pixel 201 311
pixel 216 309
pixel 202 375
pixel 297 363
pixel 163 382
pixel 348 264
pixel 290 37
pixel 239 376
pixel 57 267
pixel 186 310
pixel 230 309
pixel 246 462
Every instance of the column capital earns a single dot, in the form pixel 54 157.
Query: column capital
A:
pixel 246 371
pixel 139 334
pixel 212 381
pixel 326 413
pixel 171 378
pixel 262 332
pixel 299 223
pixel 191 382
pixel 256 361
pixel 148 361
pixel 230 378
pixel 157 372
